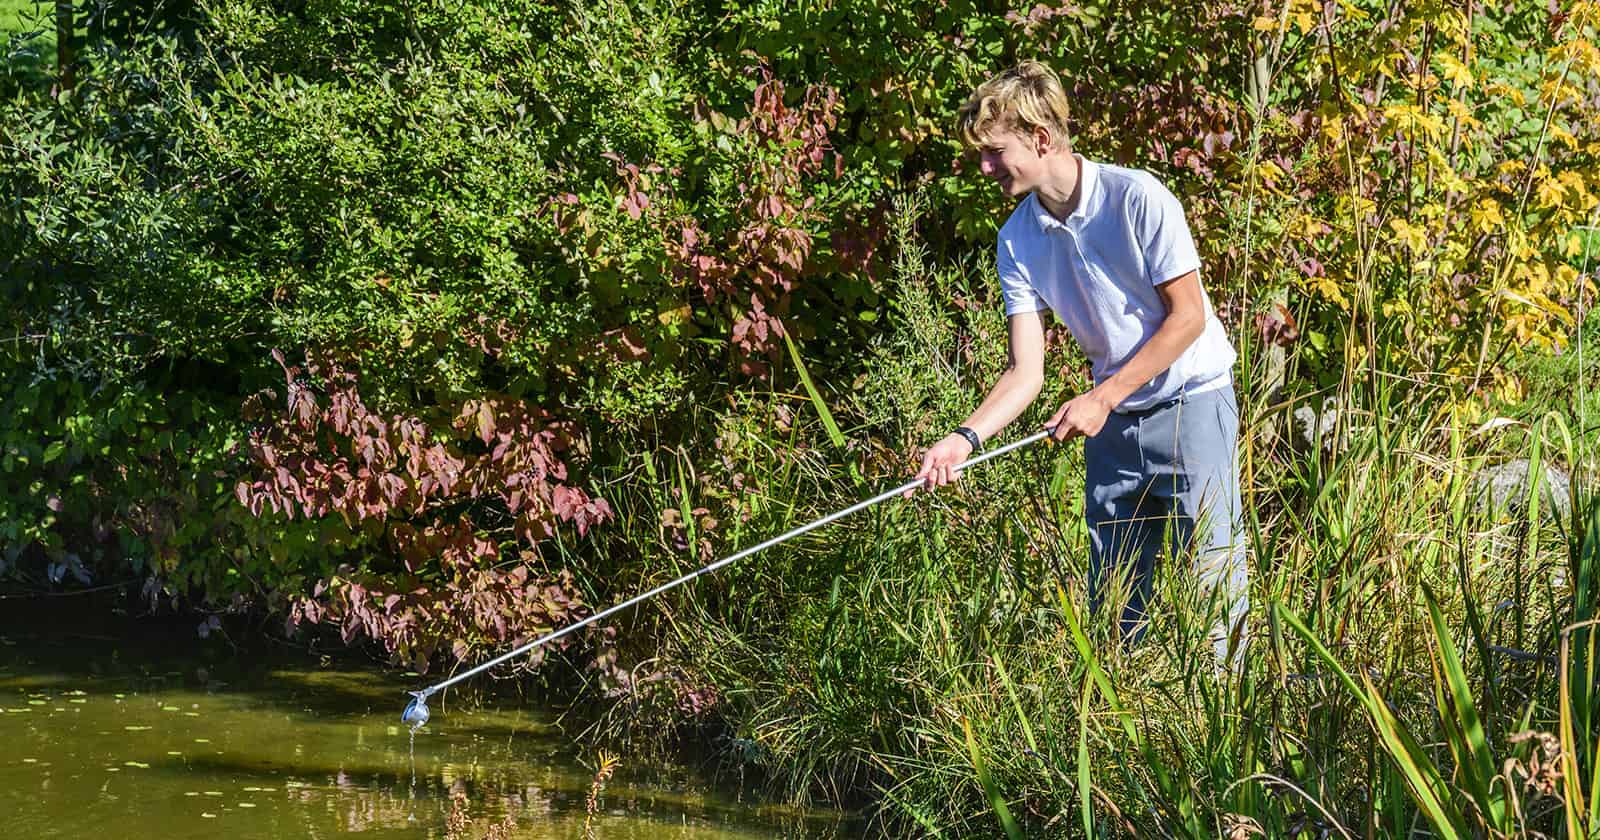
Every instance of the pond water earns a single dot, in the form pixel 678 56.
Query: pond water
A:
pixel 149 738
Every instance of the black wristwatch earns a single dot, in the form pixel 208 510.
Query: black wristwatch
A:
pixel 971 436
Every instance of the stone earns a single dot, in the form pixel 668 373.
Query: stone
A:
pixel 1502 489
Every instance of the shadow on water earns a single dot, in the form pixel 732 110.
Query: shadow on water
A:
pixel 140 728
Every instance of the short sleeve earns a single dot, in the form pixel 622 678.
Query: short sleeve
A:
pixel 1163 233
pixel 1020 296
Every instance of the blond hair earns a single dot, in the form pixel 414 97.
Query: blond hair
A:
pixel 1021 99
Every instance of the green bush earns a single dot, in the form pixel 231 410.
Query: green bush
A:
pixel 630 225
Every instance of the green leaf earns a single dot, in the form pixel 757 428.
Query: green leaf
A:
pixel 1474 760
pixel 996 801
pixel 1421 775
pixel 816 396
pixel 1016 703
pixel 1084 790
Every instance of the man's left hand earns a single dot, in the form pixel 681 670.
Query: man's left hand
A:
pixel 1083 415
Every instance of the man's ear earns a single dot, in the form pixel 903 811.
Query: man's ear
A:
pixel 1043 141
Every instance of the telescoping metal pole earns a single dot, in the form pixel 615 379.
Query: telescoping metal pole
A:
pixel 416 712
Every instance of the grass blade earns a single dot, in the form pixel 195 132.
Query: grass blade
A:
pixel 811 389
pixel 1474 760
pixel 1091 664
pixel 1084 794
pixel 1571 780
pixel 1422 777
pixel 1016 703
pixel 996 801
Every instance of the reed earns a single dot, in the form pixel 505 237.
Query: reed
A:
pixel 1421 663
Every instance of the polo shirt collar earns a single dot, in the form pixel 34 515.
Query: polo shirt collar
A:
pixel 1089 175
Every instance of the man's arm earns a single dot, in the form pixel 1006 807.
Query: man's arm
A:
pixel 1185 321
pixel 1012 393
pixel 1020 383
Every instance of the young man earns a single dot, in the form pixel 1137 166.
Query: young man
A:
pixel 1108 251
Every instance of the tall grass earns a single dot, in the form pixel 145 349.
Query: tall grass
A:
pixel 1421 664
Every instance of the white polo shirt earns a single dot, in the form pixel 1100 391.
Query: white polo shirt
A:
pixel 1098 271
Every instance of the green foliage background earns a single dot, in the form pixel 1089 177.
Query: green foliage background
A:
pixel 609 212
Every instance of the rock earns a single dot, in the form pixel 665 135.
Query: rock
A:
pixel 1502 489
pixel 1314 426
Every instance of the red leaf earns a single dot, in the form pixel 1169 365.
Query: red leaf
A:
pixel 485 422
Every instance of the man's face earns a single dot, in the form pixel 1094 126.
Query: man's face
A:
pixel 1012 159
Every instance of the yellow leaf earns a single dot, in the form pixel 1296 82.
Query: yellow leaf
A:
pixel 1453 69
pixel 1511 389
pixel 1326 286
pixel 1452 24
pixel 1511 167
pixel 1333 130
pixel 1498 89
pixel 1264 23
pixel 1353 11
pixel 1356 207
pixel 1578 189
pixel 1306 226
pixel 1517 243
pixel 1467 411
pixel 1486 216
pixel 678 315
pixel 1411 237
pixel 1411 119
pixel 1453 182
pixel 1268 171
pixel 1549 193
pixel 1558 89
pixel 1571 246
pixel 1562 135
pixel 1535 277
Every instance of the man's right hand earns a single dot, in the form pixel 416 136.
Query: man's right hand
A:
pixel 940 462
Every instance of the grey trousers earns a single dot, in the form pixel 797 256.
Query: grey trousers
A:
pixel 1168 477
